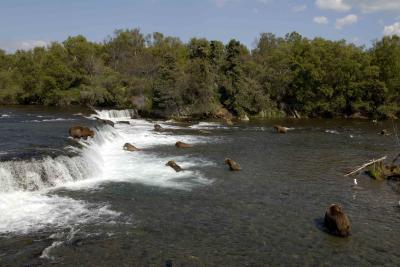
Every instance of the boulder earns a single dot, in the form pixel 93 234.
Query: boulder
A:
pixel 103 121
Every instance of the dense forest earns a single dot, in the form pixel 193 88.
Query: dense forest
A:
pixel 164 76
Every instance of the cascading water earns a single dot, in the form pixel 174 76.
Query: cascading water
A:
pixel 28 199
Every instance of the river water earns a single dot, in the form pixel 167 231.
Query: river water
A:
pixel 90 203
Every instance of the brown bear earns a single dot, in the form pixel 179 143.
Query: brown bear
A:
pixel 180 144
pixel 233 166
pixel 280 129
pixel 336 221
pixel 80 132
pixel 173 165
pixel 158 128
pixel 130 147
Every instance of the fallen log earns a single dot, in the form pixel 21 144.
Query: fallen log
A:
pixel 372 161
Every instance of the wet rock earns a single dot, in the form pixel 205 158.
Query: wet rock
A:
pixel 80 132
pixel 336 221
pixel 106 122
pixel 180 144
pixel 158 128
pixel 233 166
pixel 384 132
pixel 381 171
pixel 174 166
pixel 123 122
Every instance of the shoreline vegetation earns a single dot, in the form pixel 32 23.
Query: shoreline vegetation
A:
pixel 161 76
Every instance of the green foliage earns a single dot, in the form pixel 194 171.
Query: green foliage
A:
pixel 316 78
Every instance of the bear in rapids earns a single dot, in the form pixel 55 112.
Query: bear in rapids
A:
pixel 80 132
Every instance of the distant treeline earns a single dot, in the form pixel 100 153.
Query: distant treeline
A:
pixel 162 75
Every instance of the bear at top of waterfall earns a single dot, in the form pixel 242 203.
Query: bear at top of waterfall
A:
pixel 80 132
pixel 180 144
pixel 233 166
pixel 174 166
pixel 130 147
pixel 336 221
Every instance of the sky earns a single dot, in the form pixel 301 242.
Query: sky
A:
pixel 25 24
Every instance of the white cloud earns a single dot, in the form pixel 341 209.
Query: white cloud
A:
pixel 393 29
pixel 321 20
pixel 336 5
pixel 370 6
pixel 11 46
pixel 298 9
pixel 366 6
pixel 345 21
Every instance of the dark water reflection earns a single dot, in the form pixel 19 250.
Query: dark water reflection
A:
pixel 269 214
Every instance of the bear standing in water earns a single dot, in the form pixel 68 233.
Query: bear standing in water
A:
pixel 336 221
pixel 180 144
pixel 233 166
pixel 174 166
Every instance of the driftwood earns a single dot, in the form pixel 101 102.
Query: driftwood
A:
pixel 372 161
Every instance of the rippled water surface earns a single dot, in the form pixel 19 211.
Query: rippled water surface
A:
pixel 89 203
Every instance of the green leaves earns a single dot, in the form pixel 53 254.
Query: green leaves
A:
pixel 318 77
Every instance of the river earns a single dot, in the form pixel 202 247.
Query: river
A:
pixel 90 203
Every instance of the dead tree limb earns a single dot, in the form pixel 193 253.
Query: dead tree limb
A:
pixel 372 161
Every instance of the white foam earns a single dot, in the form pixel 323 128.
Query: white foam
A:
pixel 207 125
pixel 114 114
pixel 5 115
pixel 332 131
pixel 28 200
pixel 23 212
pixel 58 119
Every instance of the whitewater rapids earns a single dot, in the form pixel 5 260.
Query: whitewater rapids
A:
pixel 28 188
